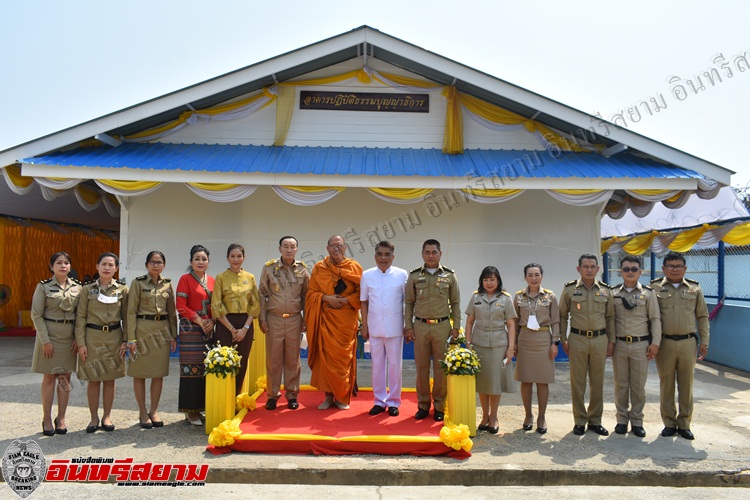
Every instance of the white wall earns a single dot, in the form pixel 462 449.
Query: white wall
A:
pixel 532 227
pixel 313 127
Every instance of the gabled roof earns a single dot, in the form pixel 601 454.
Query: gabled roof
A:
pixel 373 44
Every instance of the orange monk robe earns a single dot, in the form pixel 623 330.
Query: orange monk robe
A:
pixel 332 333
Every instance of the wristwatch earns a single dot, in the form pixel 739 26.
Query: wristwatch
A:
pixel 246 326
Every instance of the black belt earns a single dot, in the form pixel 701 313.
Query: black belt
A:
pixel 587 333
pixel 679 337
pixel 104 328
pixel 153 317
pixel 63 321
pixel 630 339
pixel 432 321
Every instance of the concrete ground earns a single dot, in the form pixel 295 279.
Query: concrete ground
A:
pixel 719 456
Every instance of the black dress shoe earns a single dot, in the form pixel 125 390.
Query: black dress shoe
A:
pixel 422 414
pixel 111 427
pixel 393 411
pixel 92 428
pixel 439 416
pixel 541 430
pixel 622 429
pixel 579 430
pixel 639 431
pixel 46 432
pixel 271 404
pixel 144 425
pixel 685 433
pixel 599 429
pixel 376 410
pixel 60 430
pixel 493 430
pixel 156 423
pixel 528 427
pixel 483 427
pixel 292 404
pixel 668 432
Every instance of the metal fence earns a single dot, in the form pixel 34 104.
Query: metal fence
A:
pixel 722 270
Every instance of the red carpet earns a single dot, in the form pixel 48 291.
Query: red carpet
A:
pixel 284 427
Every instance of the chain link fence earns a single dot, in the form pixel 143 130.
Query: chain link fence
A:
pixel 726 274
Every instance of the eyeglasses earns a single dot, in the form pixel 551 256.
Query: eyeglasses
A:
pixel 631 269
pixel 155 263
pixel 675 268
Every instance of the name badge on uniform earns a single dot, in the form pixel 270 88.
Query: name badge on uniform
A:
pixel 532 323
pixel 105 299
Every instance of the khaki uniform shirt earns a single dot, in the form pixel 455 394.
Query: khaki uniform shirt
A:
pixel 432 296
pixel 235 294
pixel 51 301
pixel 92 310
pixel 283 288
pixel 635 322
pixel 490 314
pixel 589 309
pixel 546 307
pixel 145 297
pixel 681 308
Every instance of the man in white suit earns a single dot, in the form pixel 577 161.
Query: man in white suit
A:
pixel 382 297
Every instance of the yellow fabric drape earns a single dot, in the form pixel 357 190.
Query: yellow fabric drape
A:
pixel 14 173
pixel 311 189
pixel 401 194
pixel 24 258
pixel 284 112
pixel 405 80
pixel 453 132
pixel 606 244
pixel 88 194
pixel 215 110
pixel 130 185
pixel 206 186
pixel 491 193
pixel 359 74
pixel 502 116
pixel 686 240
pixel 639 244
pixel 740 235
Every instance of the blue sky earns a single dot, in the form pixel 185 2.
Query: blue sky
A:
pixel 67 62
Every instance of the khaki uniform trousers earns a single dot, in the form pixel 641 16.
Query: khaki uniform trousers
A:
pixel 429 342
pixel 282 354
pixel 630 364
pixel 587 358
pixel 676 361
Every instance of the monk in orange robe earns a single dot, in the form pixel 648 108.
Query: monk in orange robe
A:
pixel 331 319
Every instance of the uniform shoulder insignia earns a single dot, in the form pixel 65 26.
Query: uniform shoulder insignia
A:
pixel 141 278
pixel 648 287
pixel 506 293
pixel 300 263
pixel 89 282
pixel 656 279
pixel 44 282
pixel 415 269
pixel 692 281
pixel 168 280
pixel 122 280
pixel 448 270
pixel 271 262
pixel 519 292
pixel 77 282
pixel 547 290
pixel 570 283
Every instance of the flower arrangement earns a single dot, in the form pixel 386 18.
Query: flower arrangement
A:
pixel 222 360
pixel 460 360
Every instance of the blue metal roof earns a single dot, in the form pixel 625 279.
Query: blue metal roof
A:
pixel 369 162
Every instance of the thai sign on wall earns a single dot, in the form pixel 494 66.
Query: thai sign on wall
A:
pixel 364 101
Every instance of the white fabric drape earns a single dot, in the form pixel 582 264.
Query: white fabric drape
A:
pixel 228 195
pixel 475 195
pixel 58 183
pixel 112 206
pixel 581 200
pixel 13 187
pixel 304 199
pixel 397 201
